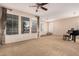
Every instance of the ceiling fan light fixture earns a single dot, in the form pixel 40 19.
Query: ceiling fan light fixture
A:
pixel 41 6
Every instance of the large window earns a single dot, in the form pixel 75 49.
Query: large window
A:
pixel 34 26
pixel 12 24
pixel 25 25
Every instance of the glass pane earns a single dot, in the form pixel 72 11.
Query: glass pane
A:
pixel 34 26
pixel 41 27
pixel 25 25
pixel 12 24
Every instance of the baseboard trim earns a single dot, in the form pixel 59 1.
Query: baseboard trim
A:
pixel 17 43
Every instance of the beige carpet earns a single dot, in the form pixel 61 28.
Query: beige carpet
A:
pixel 45 46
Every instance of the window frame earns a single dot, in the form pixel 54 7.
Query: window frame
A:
pixel 12 19
pixel 22 26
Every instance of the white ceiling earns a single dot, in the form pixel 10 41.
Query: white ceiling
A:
pixel 54 9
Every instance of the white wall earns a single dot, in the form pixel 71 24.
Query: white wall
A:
pixel 51 27
pixel 61 26
pixel 20 37
pixel 43 28
pixel 47 26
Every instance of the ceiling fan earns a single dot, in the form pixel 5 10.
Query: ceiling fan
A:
pixel 40 6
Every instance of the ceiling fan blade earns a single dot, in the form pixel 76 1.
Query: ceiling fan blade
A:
pixel 44 8
pixel 43 4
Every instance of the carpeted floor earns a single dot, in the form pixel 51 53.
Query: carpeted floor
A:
pixel 45 46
